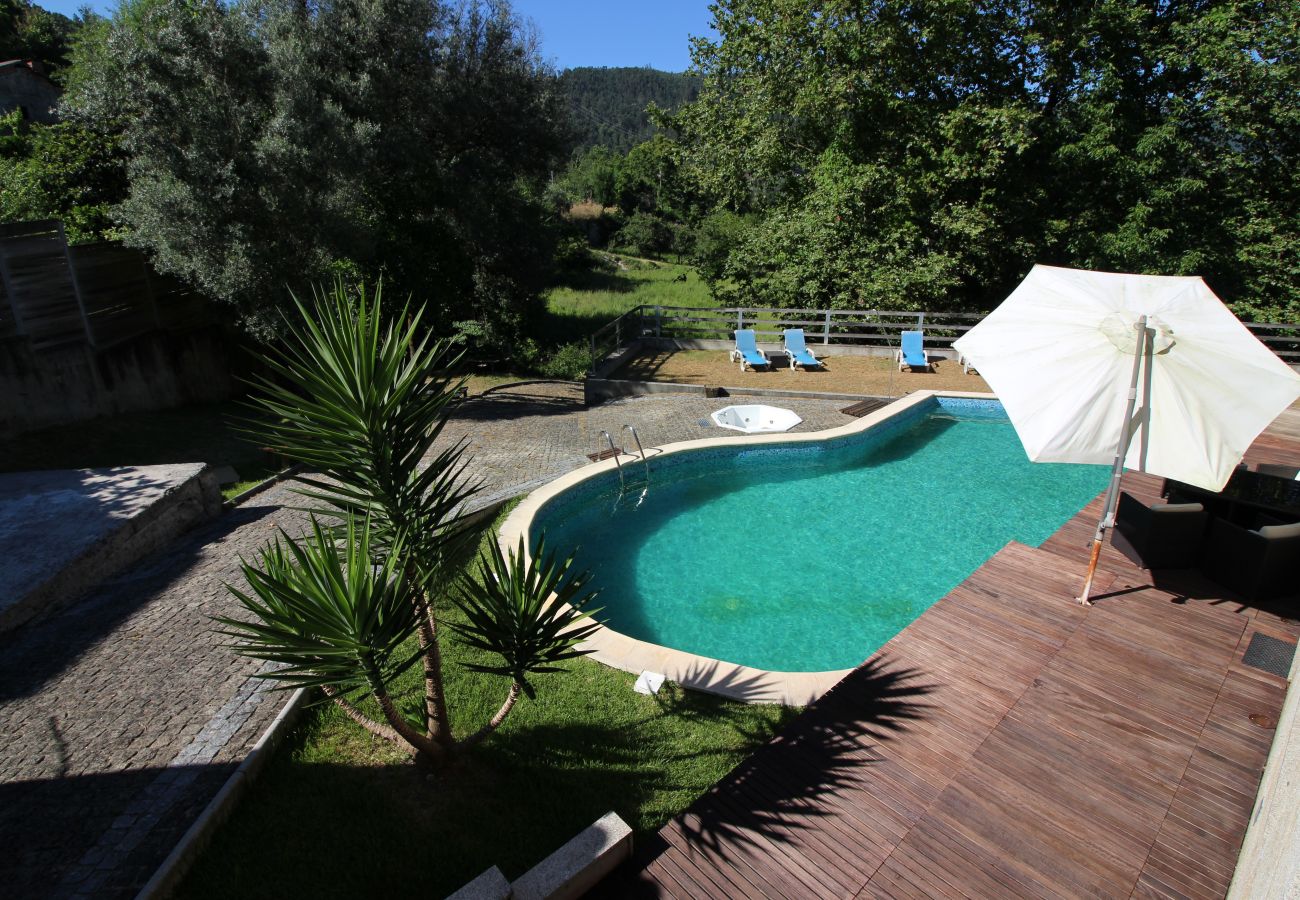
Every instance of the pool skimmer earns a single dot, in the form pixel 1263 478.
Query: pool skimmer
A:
pixel 648 683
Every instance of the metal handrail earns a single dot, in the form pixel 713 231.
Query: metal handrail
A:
pixel 640 450
pixel 614 451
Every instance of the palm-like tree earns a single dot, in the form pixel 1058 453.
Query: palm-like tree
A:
pixel 361 399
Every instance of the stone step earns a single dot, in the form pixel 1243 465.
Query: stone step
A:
pixel 64 532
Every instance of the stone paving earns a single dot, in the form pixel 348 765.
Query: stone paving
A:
pixel 524 436
pixel 63 532
pixel 122 716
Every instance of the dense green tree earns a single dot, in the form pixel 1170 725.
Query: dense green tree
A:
pixel 63 171
pixel 591 177
pixel 270 142
pixel 926 154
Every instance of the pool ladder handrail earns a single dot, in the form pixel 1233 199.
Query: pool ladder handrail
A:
pixel 616 453
pixel 640 450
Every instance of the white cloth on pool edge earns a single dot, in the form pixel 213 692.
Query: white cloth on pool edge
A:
pixel 1054 353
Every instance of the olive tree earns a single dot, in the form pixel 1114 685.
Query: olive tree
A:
pixel 271 144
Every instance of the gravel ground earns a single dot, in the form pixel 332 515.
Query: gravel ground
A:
pixel 868 375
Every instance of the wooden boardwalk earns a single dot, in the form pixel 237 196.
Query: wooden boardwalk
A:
pixel 1009 743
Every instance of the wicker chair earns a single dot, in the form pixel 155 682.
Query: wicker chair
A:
pixel 1259 564
pixel 1164 536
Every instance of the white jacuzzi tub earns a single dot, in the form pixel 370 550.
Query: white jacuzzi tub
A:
pixel 756 419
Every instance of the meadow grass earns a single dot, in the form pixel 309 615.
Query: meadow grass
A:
pixel 581 302
pixel 339 813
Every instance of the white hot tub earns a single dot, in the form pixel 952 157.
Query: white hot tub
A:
pixel 756 419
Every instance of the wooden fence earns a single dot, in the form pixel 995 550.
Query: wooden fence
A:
pixel 100 294
pixel 859 328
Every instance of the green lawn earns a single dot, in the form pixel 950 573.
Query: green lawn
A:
pixel 584 301
pixel 337 813
pixel 190 434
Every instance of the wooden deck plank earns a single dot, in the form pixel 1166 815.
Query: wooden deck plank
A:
pixel 1049 750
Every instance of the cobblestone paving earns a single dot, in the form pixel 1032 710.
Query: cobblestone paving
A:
pixel 121 716
pixel 522 437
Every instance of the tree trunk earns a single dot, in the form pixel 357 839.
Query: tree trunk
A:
pixel 431 750
pixel 378 729
pixel 495 723
pixel 437 718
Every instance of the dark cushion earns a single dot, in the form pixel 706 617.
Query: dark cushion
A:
pixel 1258 565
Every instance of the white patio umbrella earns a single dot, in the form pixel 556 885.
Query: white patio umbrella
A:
pixel 1148 372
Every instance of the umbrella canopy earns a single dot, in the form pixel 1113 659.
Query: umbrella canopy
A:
pixel 1059 352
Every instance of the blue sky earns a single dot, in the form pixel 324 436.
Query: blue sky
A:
pixel 581 32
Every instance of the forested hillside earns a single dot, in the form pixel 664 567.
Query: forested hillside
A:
pixel 29 32
pixel 609 104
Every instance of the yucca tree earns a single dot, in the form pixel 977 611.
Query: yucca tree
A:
pixel 361 399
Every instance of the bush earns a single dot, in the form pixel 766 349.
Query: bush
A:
pixel 714 239
pixel 645 234
pixel 571 255
pixel 570 362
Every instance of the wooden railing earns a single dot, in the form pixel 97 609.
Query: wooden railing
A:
pixel 860 328
pixel 1282 339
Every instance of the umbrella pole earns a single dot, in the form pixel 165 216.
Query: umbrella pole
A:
pixel 1117 471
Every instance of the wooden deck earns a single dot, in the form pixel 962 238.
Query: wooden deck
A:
pixel 1009 743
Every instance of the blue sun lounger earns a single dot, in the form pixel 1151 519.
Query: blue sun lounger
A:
pixel 796 349
pixel 912 351
pixel 747 350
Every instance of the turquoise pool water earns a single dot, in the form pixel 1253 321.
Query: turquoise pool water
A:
pixel 809 557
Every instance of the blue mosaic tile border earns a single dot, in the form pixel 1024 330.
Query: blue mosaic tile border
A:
pixel 971 408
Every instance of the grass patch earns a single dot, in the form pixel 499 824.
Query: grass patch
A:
pixel 190 434
pixel 338 813
pixel 584 301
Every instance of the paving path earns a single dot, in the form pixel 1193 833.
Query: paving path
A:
pixel 122 716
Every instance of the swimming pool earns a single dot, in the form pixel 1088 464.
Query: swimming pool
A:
pixel 808 556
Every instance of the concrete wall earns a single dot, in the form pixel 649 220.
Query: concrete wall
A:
pixel 1269 865
pixel 36 94
pixel 73 383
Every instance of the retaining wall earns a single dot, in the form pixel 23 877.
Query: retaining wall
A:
pixel 59 385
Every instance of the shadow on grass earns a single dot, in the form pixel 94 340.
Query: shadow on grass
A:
pixel 596 280
pixel 556 328
pixel 798 784
pixel 647 365
pixel 514 403
pixel 329 829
